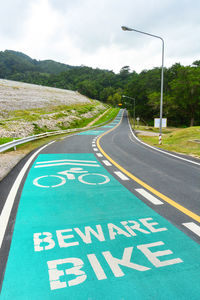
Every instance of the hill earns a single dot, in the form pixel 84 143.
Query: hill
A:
pixel 12 62
pixel 181 105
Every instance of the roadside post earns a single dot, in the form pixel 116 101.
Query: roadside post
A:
pixel 138 119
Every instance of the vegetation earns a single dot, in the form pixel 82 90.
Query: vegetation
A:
pixel 5 140
pixel 28 147
pixel 181 140
pixel 181 86
pixel 13 63
pixel 109 115
pixel 58 111
pixel 50 118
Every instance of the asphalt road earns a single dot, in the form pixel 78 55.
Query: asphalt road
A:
pixel 178 179
pixel 99 215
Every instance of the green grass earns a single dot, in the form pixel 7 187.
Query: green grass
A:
pixel 5 140
pixel 152 129
pixel 109 115
pixel 27 147
pixel 59 110
pixel 180 140
pixel 38 129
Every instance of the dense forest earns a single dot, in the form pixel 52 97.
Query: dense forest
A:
pixel 181 102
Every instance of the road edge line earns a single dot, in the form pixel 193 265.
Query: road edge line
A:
pixel 6 211
pixel 159 150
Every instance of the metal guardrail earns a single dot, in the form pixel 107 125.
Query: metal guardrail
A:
pixel 15 143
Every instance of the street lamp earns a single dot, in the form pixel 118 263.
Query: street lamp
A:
pixel 133 110
pixel 162 74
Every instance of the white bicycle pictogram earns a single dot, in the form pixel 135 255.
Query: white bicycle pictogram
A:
pixel 70 176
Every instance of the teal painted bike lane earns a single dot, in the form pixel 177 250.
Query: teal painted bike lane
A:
pixel 79 234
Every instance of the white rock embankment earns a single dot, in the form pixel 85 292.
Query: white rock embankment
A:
pixel 17 96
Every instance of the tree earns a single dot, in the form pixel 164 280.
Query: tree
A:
pixel 115 99
pixel 87 88
pixel 105 93
pixel 186 92
pixel 196 63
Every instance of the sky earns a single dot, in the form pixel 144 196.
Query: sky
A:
pixel 88 32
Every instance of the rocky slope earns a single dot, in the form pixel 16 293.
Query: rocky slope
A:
pixel 25 107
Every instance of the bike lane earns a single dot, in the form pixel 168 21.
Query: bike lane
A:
pixel 80 234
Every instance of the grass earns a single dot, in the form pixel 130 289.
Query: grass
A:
pixel 52 112
pixel 111 114
pixel 152 129
pixel 5 140
pixel 180 140
pixel 27 147
pixel 59 111
pixel 38 129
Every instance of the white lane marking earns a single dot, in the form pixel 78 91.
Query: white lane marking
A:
pixel 149 197
pixel 95 149
pixel 121 175
pixel 71 163
pixel 193 227
pixel 66 160
pixel 107 163
pixel 99 154
pixel 170 154
pixel 93 145
pixel 5 214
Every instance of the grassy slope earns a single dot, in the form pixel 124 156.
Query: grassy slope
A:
pixel 178 140
pixel 60 111
pixel 109 115
pixel 26 148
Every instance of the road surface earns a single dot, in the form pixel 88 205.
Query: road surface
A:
pixel 99 215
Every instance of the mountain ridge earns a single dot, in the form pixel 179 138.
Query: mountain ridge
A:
pixel 14 61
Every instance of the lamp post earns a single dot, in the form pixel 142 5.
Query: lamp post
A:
pixel 162 74
pixel 133 110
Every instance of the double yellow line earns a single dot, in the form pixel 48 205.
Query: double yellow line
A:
pixel 145 185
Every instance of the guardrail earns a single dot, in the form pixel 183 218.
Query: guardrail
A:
pixel 15 143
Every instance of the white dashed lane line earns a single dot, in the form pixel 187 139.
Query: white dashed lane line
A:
pixel 107 163
pixel 193 227
pixel 99 154
pixel 121 175
pixel 149 197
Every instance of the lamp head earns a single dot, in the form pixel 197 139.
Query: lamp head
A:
pixel 125 28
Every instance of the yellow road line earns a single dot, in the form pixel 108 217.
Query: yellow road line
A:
pixel 145 185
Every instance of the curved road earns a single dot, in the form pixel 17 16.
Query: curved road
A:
pixel 99 215
pixel 178 179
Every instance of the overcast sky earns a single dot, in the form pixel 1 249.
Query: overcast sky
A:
pixel 88 32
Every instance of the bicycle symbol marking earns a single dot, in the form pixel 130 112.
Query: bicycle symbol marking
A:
pixel 83 178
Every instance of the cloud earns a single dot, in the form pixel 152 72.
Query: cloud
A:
pixel 13 17
pixel 89 32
